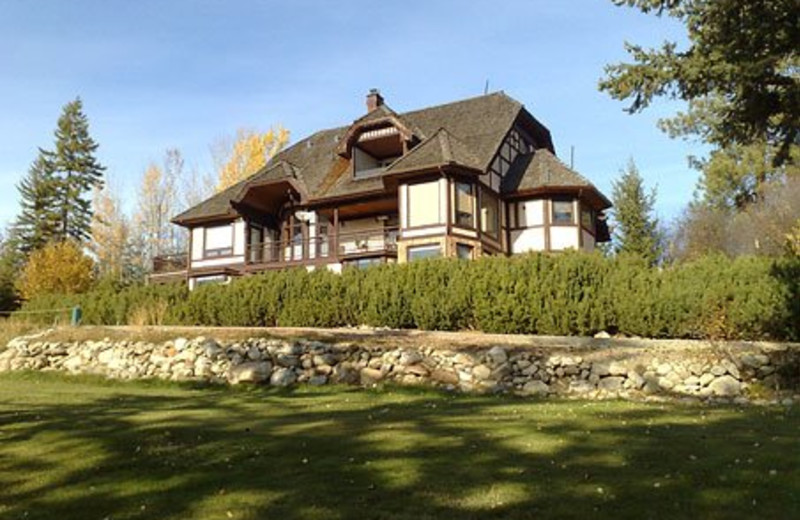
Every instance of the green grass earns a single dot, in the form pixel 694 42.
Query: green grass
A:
pixel 86 448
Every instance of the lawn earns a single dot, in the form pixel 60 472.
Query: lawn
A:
pixel 86 448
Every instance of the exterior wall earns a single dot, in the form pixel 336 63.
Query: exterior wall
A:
pixel 526 240
pixel 402 246
pixel 530 213
pixel 238 245
pixel 588 241
pixel 423 204
pixel 564 237
pixel 197 243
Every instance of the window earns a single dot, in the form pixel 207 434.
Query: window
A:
pixel 323 244
pixel 423 204
pixel 587 218
pixel 423 252
pixel 297 240
pixel 256 244
pixel 562 213
pixel 363 263
pixel 490 214
pixel 218 241
pixel 210 280
pixel 464 251
pixel 465 204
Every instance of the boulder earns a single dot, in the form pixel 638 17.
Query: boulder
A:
pixel 497 355
pixel 617 368
pixel 369 376
pixel 446 377
pixel 180 344
pixel 250 372
pixel 282 377
pixel 600 369
pixel 535 388
pixel 755 361
pixel 410 357
pixel 481 372
pixel 317 380
pixel 611 383
pixel 725 386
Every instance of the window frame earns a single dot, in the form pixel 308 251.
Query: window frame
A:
pixel 412 249
pixel 458 212
pixel 487 195
pixel 219 252
pixel 560 221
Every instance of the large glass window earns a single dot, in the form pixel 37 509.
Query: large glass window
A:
pixel 465 204
pixel 563 213
pixel 423 252
pixel 490 214
pixel 218 241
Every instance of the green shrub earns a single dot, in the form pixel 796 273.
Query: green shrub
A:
pixel 566 294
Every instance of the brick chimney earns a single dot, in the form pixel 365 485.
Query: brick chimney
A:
pixel 374 99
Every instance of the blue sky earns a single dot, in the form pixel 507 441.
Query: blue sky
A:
pixel 158 74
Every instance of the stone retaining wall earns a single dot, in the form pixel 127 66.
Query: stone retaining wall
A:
pixel 763 372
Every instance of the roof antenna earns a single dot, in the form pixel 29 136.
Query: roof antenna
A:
pixel 572 157
pixel 486 87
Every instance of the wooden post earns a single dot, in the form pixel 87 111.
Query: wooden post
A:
pixel 336 234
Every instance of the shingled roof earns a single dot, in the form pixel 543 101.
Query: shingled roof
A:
pixel 440 149
pixel 467 132
pixel 542 169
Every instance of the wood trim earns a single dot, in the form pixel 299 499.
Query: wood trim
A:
pixel 426 226
pixel 215 257
pixel 546 223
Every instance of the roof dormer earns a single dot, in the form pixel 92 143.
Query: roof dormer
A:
pixel 379 137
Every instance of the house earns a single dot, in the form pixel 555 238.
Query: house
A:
pixel 466 179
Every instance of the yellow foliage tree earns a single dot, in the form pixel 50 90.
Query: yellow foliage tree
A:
pixel 58 267
pixel 110 233
pixel 249 151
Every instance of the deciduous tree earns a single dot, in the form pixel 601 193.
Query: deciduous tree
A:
pixel 248 152
pixel 111 235
pixel 57 268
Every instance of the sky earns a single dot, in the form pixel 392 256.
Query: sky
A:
pixel 156 74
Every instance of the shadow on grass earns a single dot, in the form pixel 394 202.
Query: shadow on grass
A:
pixel 166 452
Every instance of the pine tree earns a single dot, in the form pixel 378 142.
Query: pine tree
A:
pixel 636 228
pixel 78 172
pixel 38 221
pixel 8 272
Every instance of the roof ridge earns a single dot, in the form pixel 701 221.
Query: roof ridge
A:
pixel 497 93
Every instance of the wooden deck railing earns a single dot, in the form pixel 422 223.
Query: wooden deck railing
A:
pixel 311 249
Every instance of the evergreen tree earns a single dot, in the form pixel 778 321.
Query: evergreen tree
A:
pixel 636 228
pixel 38 221
pixel 78 172
pixel 9 266
pixel 738 72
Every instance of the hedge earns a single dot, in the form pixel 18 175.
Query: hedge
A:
pixel 568 294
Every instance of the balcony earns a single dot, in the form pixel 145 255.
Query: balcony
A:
pixel 168 268
pixel 322 249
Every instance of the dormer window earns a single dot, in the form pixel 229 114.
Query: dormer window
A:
pixel 376 149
